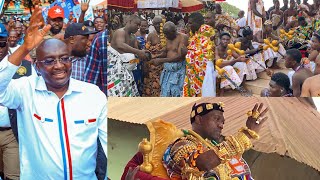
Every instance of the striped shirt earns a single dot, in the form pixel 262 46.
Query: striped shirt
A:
pixel 96 71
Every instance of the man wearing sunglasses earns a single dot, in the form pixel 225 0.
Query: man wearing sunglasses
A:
pixel 59 118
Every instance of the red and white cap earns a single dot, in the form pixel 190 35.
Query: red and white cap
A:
pixel 56 12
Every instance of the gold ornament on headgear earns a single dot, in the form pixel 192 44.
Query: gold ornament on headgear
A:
pixel 268 22
pixel 205 108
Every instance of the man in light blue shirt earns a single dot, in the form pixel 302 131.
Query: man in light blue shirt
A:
pixel 59 118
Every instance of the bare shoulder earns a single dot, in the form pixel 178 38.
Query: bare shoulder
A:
pixel 314 79
pixel 183 35
pixel 119 32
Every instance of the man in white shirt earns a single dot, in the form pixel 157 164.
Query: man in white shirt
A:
pixel 13 40
pixel 59 118
pixel 9 150
pixel 241 22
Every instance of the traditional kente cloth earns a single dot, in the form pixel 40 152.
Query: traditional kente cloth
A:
pixel 303 33
pixel 120 81
pixel 151 82
pixel 175 151
pixel 255 22
pixel 196 61
pixel 175 162
pixel 180 156
pixel 172 79
pixel 316 21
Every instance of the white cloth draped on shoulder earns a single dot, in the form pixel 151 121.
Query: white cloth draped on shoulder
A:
pixel 120 77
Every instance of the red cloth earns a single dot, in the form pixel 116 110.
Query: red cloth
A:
pixel 303 52
pixel 133 163
pixel 121 3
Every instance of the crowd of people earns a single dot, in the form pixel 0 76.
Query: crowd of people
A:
pixel 53 96
pixel 206 54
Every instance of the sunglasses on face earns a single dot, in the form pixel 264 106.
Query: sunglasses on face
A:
pixel 3 44
pixel 52 61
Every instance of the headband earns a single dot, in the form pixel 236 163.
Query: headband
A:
pixel 205 108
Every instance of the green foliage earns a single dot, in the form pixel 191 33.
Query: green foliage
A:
pixel 230 9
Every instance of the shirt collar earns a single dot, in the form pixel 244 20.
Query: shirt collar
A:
pixel 74 85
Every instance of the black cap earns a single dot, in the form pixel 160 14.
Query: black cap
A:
pixel 77 29
pixel 204 108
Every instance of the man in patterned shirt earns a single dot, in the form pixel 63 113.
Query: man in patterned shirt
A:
pixel 76 37
pixel 96 71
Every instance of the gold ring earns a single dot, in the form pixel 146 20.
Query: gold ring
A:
pixel 249 113
pixel 255 114
pixel 257 122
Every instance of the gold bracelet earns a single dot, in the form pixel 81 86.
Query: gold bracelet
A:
pixel 252 133
pixel 244 140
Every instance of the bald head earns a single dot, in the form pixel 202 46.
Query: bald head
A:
pixel 157 19
pixel 210 19
pixel 156 23
pixel 170 30
pixel 133 18
pixel 50 46
pixel 241 14
pixel 169 26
